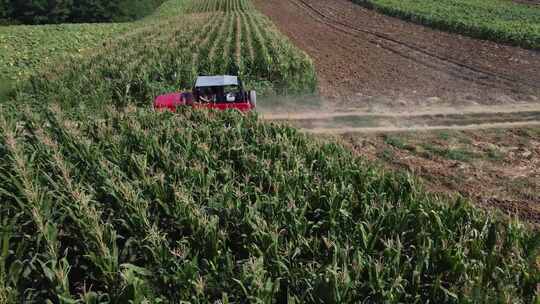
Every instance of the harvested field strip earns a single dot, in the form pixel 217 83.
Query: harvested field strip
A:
pixel 352 120
pixel 413 119
pixel 389 129
pixel 514 109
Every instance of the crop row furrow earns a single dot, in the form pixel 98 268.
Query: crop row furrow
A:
pixel 263 61
pixel 217 41
pixel 202 62
pixel 201 41
pixel 248 52
pixel 238 41
pixel 227 66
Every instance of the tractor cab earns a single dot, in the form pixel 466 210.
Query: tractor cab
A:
pixel 212 92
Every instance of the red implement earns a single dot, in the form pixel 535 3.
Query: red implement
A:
pixel 210 92
pixel 168 101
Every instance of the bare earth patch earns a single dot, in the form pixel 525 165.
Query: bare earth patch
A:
pixel 495 168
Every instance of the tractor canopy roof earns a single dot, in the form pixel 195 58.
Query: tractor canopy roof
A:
pixel 216 81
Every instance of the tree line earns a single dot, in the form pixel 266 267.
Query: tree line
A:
pixel 61 11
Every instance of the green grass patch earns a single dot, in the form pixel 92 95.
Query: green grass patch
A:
pixel 444 135
pixel 498 20
pixel 387 155
pixel 527 133
pixel 7 88
pixel 495 154
pixel 170 8
pixel 459 154
pixel 398 141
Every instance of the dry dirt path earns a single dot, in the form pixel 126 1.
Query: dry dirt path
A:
pixel 364 58
pixel 417 119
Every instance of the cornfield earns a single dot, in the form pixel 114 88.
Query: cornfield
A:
pixel 206 207
pixel 124 205
pixel 209 37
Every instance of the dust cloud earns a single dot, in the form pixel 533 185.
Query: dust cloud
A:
pixel 317 114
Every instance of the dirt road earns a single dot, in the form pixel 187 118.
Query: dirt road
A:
pixel 438 118
pixel 364 58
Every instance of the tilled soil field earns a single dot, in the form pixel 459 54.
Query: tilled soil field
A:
pixel 365 58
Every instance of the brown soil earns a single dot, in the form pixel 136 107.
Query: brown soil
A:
pixel 495 168
pixel 529 2
pixel 364 58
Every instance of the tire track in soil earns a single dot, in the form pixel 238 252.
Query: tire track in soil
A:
pixel 307 114
pixel 359 130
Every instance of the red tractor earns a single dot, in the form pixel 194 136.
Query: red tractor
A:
pixel 211 92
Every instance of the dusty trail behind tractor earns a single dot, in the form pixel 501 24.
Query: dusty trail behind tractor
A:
pixel 314 114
